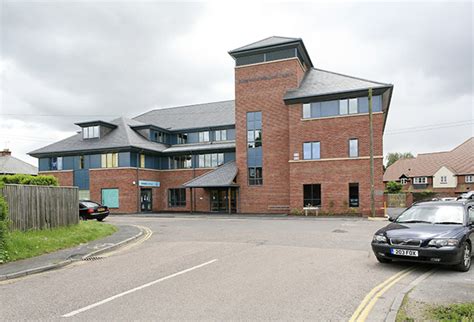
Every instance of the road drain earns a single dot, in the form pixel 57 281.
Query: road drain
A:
pixel 339 231
pixel 92 258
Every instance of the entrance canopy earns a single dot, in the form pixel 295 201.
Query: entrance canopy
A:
pixel 223 176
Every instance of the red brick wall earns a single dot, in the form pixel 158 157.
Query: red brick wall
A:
pixel 65 177
pixel 261 87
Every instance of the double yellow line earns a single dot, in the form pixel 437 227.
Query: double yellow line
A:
pixel 363 310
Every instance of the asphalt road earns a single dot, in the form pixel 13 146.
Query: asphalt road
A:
pixel 216 269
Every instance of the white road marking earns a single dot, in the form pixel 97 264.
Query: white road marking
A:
pixel 86 308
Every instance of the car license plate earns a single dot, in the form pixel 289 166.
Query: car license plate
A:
pixel 404 252
pixel 100 209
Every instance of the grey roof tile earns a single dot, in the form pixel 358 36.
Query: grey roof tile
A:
pixel 319 82
pixel 270 41
pixel 12 165
pixel 122 136
pixel 191 116
pixel 223 176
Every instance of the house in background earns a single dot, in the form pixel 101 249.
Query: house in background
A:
pixel 295 135
pixel 12 165
pixel 449 173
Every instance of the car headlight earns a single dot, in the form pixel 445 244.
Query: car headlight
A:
pixel 381 239
pixel 441 242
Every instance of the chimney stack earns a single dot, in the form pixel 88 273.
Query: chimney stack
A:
pixel 5 152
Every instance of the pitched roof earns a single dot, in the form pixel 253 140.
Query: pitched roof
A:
pixel 12 165
pixel 270 41
pixel 459 160
pixel 191 116
pixel 122 136
pixel 318 82
pixel 223 176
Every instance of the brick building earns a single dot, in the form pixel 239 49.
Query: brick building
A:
pixel 295 135
pixel 448 173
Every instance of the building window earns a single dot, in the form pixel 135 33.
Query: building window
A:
pixel 110 198
pixel 182 138
pixel 181 162
pixel 403 181
pixel 210 160
pixel 82 163
pixel 443 179
pixel 353 148
pixel 311 195
pixel 341 107
pixel 90 132
pixel 203 136
pixel 469 179
pixel 158 136
pixel 353 194
pixel 254 148
pixel 220 135
pixel 177 197
pixel 311 150
pixel 420 180
pixel 255 176
pixel 56 163
pixel 109 160
pixel 142 161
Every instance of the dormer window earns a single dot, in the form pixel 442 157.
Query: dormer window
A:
pixel 91 132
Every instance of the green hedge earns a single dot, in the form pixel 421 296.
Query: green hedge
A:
pixel 3 228
pixel 41 180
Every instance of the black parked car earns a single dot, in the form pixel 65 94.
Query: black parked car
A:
pixel 92 210
pixel 430 232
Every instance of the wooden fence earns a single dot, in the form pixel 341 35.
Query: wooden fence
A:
pixel 41 207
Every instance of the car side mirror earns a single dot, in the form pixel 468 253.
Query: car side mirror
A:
pixel 391 219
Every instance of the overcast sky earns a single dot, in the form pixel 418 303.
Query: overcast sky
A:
pixel 67 62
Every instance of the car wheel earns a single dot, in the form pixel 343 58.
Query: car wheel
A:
pixel 100 218
pixel 383 260
pixel 466 259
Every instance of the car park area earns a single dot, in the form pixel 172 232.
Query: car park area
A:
pixel 222 268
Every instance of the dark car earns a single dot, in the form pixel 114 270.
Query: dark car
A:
pixel 429 232
pixel 92 210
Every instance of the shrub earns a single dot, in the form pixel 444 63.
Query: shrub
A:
pixel 41 180
pixel 394 187
pixel 3 228
pixel 296 212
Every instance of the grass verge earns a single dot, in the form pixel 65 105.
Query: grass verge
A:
pixel 454 312
pixel 32 243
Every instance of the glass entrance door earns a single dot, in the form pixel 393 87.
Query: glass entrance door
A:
pixel 220 201
pixel 145 200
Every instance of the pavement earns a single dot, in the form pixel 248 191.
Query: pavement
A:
pixel 125 233
pixel 224 268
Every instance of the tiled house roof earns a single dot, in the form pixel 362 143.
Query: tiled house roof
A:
pixel 460 160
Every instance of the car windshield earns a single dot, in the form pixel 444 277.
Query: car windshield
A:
pixel 89 204
pixel 433 214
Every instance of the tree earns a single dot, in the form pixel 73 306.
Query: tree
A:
pixel 395 156
pixel 394 187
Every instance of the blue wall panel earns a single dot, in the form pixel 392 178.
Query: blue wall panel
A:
pixel 81 179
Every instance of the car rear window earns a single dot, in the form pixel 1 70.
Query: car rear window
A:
pixel 89 204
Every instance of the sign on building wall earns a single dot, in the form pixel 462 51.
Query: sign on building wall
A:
pixel 143 183
pixel 110 198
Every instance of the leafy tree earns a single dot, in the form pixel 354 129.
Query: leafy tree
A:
pixel 395 156
pixel 394 187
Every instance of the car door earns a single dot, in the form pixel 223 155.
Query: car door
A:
pixel 470 223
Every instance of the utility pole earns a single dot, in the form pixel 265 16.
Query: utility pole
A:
pixel 371 127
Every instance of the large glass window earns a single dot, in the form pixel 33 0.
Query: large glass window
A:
pixel 353 194
pixel 255 176
pixel 210 160
pixel 311 195
pixel 109 160
pixel 204 136
pixel 181 162
pixel 254 148
pixel 56 163
pixel 220 135
pixel 182 138
pixel 177 197
pixel 311 150
pixel 341 107
pixel 90 132
pixel 353 148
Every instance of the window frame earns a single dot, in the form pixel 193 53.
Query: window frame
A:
pixel 417 180
pixel 352 185
pixel 357 147
pixel 469 178
pixel 176 201
pixel 443 179
pixel 312 185
pixel 312 144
